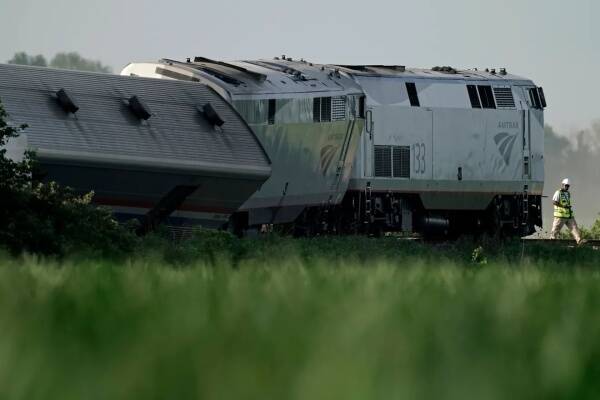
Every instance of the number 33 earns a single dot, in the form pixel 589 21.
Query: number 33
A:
pixel 419 158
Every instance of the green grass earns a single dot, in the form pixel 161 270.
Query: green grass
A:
pixel 328 318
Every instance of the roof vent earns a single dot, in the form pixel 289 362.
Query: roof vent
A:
pixel 139 108
pixel 211 115
pixel 66 102
pixel 444 69
pixel 502 71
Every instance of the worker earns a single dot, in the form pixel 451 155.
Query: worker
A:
pixel 563 212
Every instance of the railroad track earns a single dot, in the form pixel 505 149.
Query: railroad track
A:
pixel 563 242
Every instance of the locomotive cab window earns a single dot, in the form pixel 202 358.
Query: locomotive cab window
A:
pixel 413 96
pixel 487 96
pixel 538 100
pixel 473 96
pixel 542 97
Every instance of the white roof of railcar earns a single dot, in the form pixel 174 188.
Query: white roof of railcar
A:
pixel 284 75
pixel 437 73
pixel 264 76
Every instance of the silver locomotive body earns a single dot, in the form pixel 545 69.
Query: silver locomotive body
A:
pixel 439 151
pixel 307 118
pixel 448 151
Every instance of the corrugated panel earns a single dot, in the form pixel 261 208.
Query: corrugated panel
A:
pixel 401 161
pixel 504 97
pixel 176 133
pixel 338 108
pixel 383 161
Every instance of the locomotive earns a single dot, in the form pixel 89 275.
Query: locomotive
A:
pixel 383 148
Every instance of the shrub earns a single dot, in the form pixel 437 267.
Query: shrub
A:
pixel 47 218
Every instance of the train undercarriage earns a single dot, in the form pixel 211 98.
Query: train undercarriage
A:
pixel 379 213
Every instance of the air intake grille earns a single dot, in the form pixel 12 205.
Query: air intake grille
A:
pixel 338 108
pixel 504 97
pixel 383 161
pixel 401 161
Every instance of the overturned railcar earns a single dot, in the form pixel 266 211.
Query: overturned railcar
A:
pixel 309 119
pixel 156 150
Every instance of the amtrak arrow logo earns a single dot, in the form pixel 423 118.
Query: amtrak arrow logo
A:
pixel 505 142
pixel 327 154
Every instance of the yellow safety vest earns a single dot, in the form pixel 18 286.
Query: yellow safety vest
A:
pixel 564 201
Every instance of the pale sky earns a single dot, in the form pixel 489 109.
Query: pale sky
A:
pixel 555 43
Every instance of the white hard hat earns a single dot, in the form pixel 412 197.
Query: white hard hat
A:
pixel 566 181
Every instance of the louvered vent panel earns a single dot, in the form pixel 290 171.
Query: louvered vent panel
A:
pixel 504 98
pixel 401 161
pixel 383 161
pixel 338 108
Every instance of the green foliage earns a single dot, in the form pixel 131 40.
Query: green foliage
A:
pixel 49 219
pixel 23 58
pixel 577 158
pixel 205 246
pixel 478 256
pixel 74 61
pixel 592 232
pixel 70 60
pixel 285 322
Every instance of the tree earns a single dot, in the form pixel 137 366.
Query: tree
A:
pixel 70 60
pixel 47 218
pixel 74 61
pixel 577 158
pixel 23 58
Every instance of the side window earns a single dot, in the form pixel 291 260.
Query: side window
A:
pixel 317 109
pixel 535 98
pixel 325 109
pixel 413 96
pixel 271 111
pixel 361 107
pixel 538 99
pixel 473 96
pixel 322 109
pixel 487 96
pixel 542 97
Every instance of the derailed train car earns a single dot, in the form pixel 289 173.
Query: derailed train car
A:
pixel 443 151
pixel 309 119
pixel 160 151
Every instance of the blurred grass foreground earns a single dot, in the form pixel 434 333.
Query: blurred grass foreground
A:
pixel 329 318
